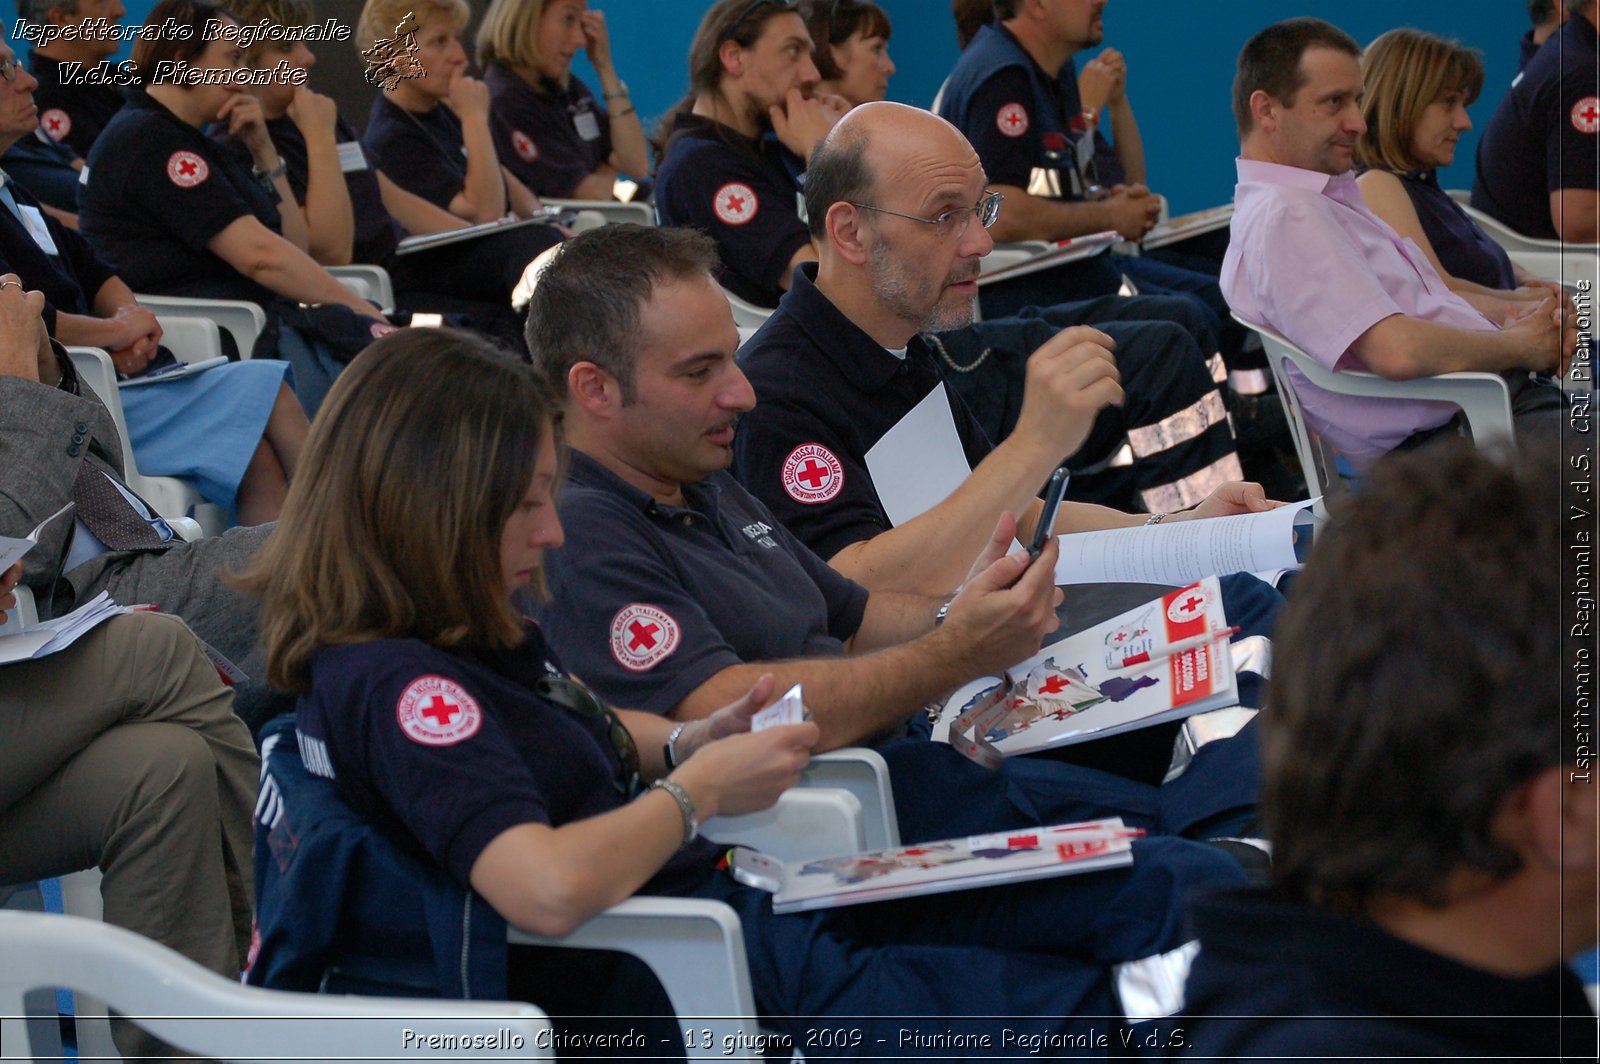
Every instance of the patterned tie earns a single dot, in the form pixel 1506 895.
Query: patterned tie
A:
pixel 106 512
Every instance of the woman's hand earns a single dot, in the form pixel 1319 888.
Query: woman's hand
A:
pixel 746 773
pixel 731 719
pixel 314 114
pixel 1234 497
pixel 597 40
pixel 248 122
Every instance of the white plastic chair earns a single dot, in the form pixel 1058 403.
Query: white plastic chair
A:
pixel 172 497
pixel 746 314
pixel 241 318
pixel 1482 397
pixel 1553 260
pixel 369 281
pixel 863 773
pixel 22 614
pixel 200 1012
pixel 611 210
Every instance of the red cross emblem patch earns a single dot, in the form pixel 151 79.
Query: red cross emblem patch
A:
pixel 642 636
pixel 811 474
pixel 186 169
pixel 434 711
pixel 526 149
pixel 56 123
pixel 1012 120
pixel 1189 606
pixel 1586 115
pixel 735 203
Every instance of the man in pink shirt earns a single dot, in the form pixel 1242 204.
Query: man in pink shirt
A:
pixel 1310 260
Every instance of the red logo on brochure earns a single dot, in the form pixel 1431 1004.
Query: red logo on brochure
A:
pixel 1586 115
pixel 56 123
pixel 1012 120
pixel 1189 606
pixel 380 329
pixel 735 203
pixel 434 711
pixel 186 169
pixel 642 636
pixel 527 150
pixel 811 474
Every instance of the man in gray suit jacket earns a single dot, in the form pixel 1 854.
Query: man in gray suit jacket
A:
pixel 52 433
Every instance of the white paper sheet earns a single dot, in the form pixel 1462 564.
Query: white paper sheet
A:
pixel 1180 552
pixel 11 549
pixel 920 462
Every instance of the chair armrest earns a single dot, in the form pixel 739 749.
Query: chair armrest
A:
pixel 805 823
pixel 695 947
pixel 22 614
pixel 611 210
pixel 244 320
pixel 375 280
pixel 864 773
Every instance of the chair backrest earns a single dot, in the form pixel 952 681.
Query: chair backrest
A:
pixel 745 313
pixel 174 499
pixel 369 281
pixel 243 320
pixel 612 211
pixel 1317 462
pixel 200 1012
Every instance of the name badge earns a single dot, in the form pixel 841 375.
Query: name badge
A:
pixel 83 176
pixel 587 126
pixel 34 221
pixel 351 158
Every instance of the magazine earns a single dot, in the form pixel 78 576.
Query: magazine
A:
pixel 1162 661
pixel 937 867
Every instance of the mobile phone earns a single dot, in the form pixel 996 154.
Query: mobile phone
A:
pixel 1053 493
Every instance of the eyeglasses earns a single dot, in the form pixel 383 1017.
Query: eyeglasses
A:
pixel 951 223
pixel 755 5
pixel 9 68
pixel 578 699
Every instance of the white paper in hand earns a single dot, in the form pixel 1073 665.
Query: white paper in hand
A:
pixel 790 709
pixel 13 549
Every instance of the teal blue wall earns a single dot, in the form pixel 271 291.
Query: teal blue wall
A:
pixel 1180 62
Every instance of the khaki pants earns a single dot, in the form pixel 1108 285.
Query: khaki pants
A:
pixel 123 753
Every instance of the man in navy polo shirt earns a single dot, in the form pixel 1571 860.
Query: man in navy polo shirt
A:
pixel 676 584
pixel 1539 158
pixel 74 111
pixel 1015 94
pixel 842 361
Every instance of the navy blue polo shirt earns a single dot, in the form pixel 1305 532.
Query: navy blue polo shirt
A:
pixel 377 234
pixel 650 601
pixel 549 136
pixel 826 393
pixel 74 114
pixel 449 748
pixel 1545 135
pixel 743 193
pixel 1020 118
pixel 424 154
pixel 157 190
pixel 1279 980
pixel 1464 249
pixel 69 279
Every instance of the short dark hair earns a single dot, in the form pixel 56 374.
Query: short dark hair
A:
pixel 833 21
pixel 1541 11
pixel 153 49
pixel 1270 62
pixel 586 306
pixel 838 173
pixel 972 15
pixel 1416 679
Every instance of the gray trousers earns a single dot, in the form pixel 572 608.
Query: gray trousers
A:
pixel 123 753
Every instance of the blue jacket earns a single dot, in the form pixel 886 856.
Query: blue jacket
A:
pixel 342 908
